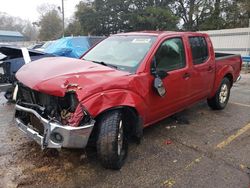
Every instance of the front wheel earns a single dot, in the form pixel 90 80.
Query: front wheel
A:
pixel 112 145
pixel 220 99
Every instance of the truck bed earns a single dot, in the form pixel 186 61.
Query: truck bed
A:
pixel 234 60
pixel 219 55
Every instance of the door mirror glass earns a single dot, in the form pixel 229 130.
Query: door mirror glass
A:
pixel 159 87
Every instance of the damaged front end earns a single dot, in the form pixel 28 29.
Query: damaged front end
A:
pixel 53 122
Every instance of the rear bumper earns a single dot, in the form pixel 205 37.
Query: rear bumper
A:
pixel 55 135
pixel 5 87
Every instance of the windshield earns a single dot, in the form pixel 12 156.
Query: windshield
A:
pixel 123 52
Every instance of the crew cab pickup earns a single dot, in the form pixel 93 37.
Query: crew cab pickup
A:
pixel 122 85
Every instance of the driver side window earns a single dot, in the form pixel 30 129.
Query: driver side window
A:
pixel 170 55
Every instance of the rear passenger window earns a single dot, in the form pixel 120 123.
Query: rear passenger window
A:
pixel 199 49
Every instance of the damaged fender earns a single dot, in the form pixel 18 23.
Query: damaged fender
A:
pixel 100 102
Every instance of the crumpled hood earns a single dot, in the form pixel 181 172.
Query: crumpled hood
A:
pixel 56 75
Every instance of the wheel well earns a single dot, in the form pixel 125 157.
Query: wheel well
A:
pixel 133 123
pixel 230 78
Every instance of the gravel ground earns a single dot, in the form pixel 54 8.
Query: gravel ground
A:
pixel 202 148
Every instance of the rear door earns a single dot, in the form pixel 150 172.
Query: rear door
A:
pixel 203 68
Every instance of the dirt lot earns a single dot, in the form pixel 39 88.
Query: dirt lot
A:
pixel 201 148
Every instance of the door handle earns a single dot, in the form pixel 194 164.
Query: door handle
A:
pixel 186 75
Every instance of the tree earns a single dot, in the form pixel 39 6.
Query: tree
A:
pixel 50 25
pixel 85 16
pixel 238 13
pixel 154 18
pixel 213 14
pixel 11 23
pixel 74 28
pixel 214 19
pixel 192 12
pixel 105 17
pixel 30 32
pixel 45 8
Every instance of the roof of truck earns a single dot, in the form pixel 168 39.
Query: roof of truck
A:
pixel 158 33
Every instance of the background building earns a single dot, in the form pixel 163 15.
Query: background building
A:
pixel 235 41
pixel 10 36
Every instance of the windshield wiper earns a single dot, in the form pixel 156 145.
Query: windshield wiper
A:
pixel 105 64
pixel 102 63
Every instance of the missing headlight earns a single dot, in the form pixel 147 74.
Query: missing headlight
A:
pixel 73 101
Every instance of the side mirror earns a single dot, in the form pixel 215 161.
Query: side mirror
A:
pixel 161 74
pixel 159 86
pixel 157 73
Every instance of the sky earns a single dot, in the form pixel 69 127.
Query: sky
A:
pixel 27 9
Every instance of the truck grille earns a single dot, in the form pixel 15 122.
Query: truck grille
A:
pixel 28 95
pixel 40 102
pixel 36 124
pixel 47 106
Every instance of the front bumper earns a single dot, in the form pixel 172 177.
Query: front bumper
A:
pixel 70 137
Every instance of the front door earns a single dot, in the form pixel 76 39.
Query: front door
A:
pixel 171 58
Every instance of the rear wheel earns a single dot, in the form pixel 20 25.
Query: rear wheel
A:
pixel 112 144
pixel 220 99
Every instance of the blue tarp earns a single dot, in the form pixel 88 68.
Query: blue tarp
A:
pixel 69 47
pixel 73 47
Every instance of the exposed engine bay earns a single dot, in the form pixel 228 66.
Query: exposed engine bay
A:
pixel 65 110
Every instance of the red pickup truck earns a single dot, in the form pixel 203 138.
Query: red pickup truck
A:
pixel 123 84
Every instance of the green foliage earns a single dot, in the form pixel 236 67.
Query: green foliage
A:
pixel 74 28
pixel 193 13
pixel 238 13
pixel 105 17
pixel 86 16
pixel 154 18
pixel 50 25
pixel 212 14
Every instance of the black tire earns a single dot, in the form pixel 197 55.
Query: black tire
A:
pixel 218 102
pixel 112 126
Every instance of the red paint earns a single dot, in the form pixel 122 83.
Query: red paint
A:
pixel 100 88
pixel 168 142
pixel 77 117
